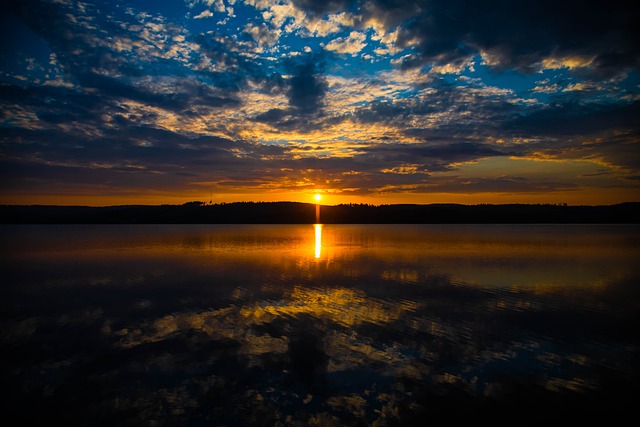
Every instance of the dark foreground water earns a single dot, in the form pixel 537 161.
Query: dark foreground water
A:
pixel 302 325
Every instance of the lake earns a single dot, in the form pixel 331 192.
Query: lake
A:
pixel 226 325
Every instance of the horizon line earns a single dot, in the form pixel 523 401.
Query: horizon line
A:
pixel 197 203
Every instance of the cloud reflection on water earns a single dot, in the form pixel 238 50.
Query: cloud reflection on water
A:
pixel 388 325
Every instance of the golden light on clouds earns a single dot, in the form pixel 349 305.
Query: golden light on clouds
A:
pixel 351 94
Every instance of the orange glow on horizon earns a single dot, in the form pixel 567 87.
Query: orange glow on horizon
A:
pixel 575 197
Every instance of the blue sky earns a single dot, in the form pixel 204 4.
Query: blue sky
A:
pixel 378 101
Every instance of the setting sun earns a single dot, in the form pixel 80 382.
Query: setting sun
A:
pixel 317 197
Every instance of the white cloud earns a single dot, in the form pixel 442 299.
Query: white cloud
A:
pixel 263 35
pixel 333 24
pixel 216 5
pixel 259 4
pixel 367 57
pixel 321 28
pixel 546 88
pixel 343 19
pixel 219 5
pixel 205 14
pixel 352 44
pixel 570 62
pixel 59 82
pixel 280 14
pixel 289 18
pixel 583 86
pixel 399 61
pixel 452 68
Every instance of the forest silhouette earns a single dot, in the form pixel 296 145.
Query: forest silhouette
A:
pixel 305 213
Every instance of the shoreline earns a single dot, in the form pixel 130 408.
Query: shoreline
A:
pixel 305 213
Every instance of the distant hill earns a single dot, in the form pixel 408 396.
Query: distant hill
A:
pixel 304 213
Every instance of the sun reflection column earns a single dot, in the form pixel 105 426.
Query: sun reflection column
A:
pixel 317 196
pixel 317 226
pixel 318 246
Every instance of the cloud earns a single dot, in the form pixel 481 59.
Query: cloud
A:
pixel 323 7
pixel 231 67
pixel 218 5
pixel 574 118
pixel 293 19
pixel 284 16
pixel 204 14
pixel 307 86
pixel 263 35
pixel 273 115
pixel 352 44
pixel 117 91
pixel 434 156
pixel 527 36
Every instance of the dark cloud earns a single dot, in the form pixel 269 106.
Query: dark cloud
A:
pixel 573 117
pixel 272 116
pixel 237 69
pixel 135 157
pixel 184 92
pixel 382 112
pixel 307 86
pixel 55 104
pixel 86 56
pixel 435 156
pixel 520 35
pixel 315 7
pixel 461 110
pixel 502 184
pixel 305 90
pixel 71 38
pixel 517 35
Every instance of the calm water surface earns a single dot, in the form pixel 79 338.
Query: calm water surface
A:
pixel 318 325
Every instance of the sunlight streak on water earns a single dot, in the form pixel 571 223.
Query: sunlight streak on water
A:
pixel 318 240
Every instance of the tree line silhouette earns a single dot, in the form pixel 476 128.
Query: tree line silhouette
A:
pixel 304 213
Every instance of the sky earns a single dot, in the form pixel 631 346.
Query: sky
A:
pixel 362 101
